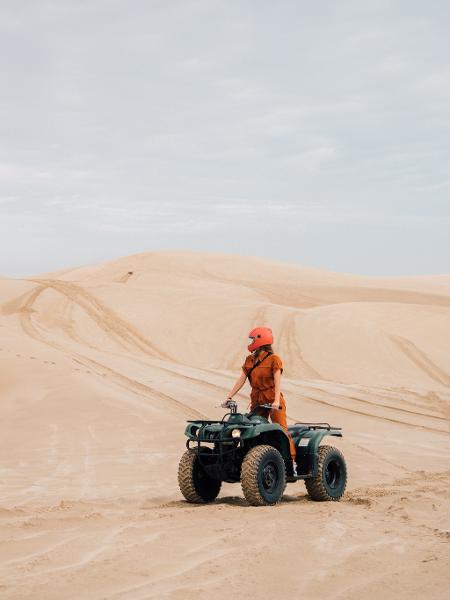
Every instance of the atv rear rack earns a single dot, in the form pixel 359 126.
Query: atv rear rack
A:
pixel 314 426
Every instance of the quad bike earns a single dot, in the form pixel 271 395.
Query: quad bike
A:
pixel 250 449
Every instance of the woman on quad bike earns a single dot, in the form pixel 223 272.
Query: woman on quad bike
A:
pixel 263 369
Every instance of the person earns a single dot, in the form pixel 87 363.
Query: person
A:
pixel 263 369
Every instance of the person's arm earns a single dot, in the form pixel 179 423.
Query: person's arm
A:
pixel 277 381
pixel 237 386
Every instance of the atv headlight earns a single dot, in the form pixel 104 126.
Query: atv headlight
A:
pixel 195 431
pixel 236 433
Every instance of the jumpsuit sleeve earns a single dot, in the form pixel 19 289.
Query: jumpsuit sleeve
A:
pixel 246 366
pixel 277 364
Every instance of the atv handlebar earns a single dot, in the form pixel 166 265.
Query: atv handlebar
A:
pixel 231 404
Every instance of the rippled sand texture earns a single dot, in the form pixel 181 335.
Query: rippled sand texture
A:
pixel 101 366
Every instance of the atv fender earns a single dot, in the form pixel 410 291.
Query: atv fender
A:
pixel 270 434
pixel 307 449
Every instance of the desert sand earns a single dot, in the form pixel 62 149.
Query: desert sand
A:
pixel 101 366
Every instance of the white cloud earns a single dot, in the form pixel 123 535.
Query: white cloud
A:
pixel 18 172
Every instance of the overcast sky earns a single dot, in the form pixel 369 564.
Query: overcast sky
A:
pixel 311 132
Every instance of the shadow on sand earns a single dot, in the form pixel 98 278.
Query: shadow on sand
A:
pixel 232 501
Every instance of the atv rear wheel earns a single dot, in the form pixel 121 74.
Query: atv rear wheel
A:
pixel 196 485
pixel 331 478
pixel 263 476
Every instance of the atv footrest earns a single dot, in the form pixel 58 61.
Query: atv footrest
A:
pixel 293 478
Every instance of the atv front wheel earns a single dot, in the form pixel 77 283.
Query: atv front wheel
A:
pixel 331 478
pixel 263 476
pixel 196 485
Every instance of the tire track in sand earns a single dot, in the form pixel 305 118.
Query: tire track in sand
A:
pixel 137 386
pixel 420 359
pixel 141 389
pixel 289 331
pixel 105 318
pixel 379 405
pixel 319 400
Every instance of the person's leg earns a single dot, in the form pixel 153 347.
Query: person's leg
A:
pixel 279 416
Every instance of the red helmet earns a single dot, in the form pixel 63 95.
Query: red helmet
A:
pixel 260 336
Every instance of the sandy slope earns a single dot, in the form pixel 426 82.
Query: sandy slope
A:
pixel 101 366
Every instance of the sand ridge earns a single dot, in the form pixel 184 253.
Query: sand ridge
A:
pixel 102 365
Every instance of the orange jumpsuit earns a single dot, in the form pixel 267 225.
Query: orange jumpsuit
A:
pixel 263 389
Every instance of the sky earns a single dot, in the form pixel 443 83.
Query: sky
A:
pixel 315 133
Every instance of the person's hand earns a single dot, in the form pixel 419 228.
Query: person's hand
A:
pixel 226 404
pixel 275 406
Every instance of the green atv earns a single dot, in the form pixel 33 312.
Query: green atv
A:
pixel 250 449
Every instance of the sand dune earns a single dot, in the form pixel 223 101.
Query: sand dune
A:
pixel 101 366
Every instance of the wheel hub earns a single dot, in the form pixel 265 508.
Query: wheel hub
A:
pixel 269 477
pixel 333 474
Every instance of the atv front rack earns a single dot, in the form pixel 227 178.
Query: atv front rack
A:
pixel 204 422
